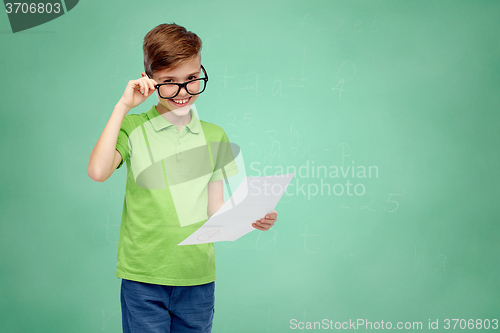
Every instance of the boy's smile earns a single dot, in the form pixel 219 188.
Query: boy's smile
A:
pixel 181 102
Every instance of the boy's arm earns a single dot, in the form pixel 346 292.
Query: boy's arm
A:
pixel 215 197
pixel 104 157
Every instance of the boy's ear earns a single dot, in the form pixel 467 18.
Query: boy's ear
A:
pixel 144 75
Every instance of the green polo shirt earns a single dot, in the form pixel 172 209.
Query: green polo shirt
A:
pixel 166 197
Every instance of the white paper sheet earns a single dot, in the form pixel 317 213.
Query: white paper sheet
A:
pixel 253 199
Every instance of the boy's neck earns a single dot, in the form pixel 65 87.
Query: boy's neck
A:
pixel 178 121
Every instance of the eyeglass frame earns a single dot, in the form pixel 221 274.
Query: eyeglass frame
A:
pixel 183 85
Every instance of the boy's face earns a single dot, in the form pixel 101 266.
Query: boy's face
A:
pixel 188 71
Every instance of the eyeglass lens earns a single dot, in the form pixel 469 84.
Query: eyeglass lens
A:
pixel 193 88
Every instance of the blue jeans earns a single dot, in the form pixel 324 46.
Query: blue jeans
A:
pixel 154 308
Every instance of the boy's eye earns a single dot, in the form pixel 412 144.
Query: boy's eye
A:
pixel 192 77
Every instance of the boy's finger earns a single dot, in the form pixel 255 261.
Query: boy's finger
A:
pixel 265 223
pixel 145 88
pixel 259 227
pixel 152 85
pixel 272 216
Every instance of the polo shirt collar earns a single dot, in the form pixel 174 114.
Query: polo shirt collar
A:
pixel 159 122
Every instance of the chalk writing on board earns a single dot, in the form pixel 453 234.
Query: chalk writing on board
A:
pixel 115 78
pixel 247 121
pixel 372 200
pixel 256 85
pixel 113 194
pixel 233 116
pixel 233 119
pixel 206 41
pixel 276 152
pixel 255 148
pixel 296 146
pixel 277 84
pixel 107 226
pixel 223 82
pixel 133 41
pixel 306 236
pixel 260 245
pixel 343 205
pixel 302 75
pixel 435 262
pixel 394 202
pixel 105 320
pixel 345 69
pixel 415 260
pixel 340 87
pixel 443 263
pixel 390 203
pixel 357 24
pixel 304 20
pixel 344 146
pixel 338 26
pixel 342 244
pixel 256 88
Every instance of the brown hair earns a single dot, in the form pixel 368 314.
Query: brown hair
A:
pixel 168 46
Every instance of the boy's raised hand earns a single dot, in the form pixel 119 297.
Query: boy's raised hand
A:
pixel 266 222
pixel 137 91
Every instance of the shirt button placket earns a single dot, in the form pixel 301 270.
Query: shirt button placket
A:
pixel 179 145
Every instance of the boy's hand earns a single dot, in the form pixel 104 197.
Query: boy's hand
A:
pixel 266 222
pixel 137 91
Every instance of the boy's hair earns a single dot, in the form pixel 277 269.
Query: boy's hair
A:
pixel 168 46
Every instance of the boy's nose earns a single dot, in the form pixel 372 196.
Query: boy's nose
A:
pixel 183 92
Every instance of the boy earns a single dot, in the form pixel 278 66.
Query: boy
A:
pixel 172 188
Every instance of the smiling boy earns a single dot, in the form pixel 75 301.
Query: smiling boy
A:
pixel 172 188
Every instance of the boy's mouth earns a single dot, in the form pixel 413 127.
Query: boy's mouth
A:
pixel 181 102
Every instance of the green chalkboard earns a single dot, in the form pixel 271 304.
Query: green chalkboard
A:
pixel 387 112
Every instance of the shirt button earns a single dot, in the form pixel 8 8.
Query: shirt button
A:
pixel 175 131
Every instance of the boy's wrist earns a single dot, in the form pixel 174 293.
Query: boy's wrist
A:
pixel 121 107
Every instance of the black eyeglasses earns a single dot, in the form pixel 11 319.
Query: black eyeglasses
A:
pixel 170 90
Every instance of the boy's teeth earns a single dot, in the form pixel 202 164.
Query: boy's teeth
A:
pixel 180 101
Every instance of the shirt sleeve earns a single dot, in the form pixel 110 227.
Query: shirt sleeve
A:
pixel 122 143
pixel 224 160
